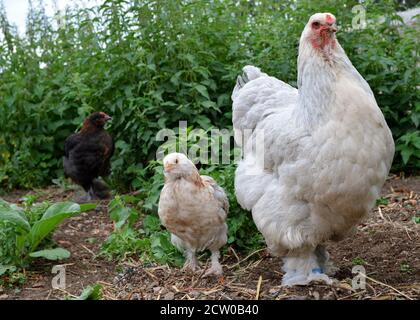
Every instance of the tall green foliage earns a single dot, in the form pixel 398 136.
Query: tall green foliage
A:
pixel 152 63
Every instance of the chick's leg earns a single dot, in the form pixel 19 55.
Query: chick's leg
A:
pixel 191 262
pixel 302 267
pixel 216 267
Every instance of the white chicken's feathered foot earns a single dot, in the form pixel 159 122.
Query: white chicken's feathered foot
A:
pixel 324 260
pixel 216 267
pixel 303 267
pixel 191 262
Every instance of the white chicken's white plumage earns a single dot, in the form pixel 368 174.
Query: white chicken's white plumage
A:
pixel 327 152
pixel 194 209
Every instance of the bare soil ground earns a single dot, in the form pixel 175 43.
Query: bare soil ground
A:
pixel 387 244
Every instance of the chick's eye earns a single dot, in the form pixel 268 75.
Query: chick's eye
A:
pixel 176 160
pixel 315 25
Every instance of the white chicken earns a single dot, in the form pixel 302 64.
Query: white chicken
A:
pixel 327 152
pixel 194 209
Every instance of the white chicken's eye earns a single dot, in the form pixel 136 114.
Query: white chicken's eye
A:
pixel 176 161
pixel 315 25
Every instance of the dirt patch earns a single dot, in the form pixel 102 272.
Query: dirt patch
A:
pixel 387 245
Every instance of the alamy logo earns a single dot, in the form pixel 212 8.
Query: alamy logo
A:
pixel 59 281
pixel 359 281
pixel 359 20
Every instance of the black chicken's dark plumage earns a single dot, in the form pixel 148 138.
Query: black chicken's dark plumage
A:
pixel 87 155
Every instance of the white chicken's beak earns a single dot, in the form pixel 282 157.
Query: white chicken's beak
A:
pixel 333 28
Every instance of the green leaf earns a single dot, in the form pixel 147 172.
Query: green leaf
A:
pixel 6 268
pixel 151 67
pixel 415 117
pixel 175 78
pixel 43 227
pixel 382 201
pixel 151 224
pixel 416 143
pixel 208 104
pixel 13 216
pixel 91 293
pixel 121 214
pixel 60 208
pixel 87 207
pixel 51 254
pixel 406 154
pixel 202 90
pixel 52 217
pixel 204 122
pixel 20 242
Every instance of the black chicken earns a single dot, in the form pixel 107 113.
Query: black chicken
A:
pixel 87 155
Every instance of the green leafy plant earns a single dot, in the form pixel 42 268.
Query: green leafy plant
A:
pixel 358 261
pixel 405 267
pixel 161 247
pixel 125 241
pixel 382 201
pixel 25 232
pixel 91 293
pixel 10 276
pixel 408 145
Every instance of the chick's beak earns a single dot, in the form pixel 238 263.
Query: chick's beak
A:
pixel 168 167
pixel 107 117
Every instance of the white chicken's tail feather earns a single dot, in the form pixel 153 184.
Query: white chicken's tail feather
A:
pixel 250 107
pixel 249 73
